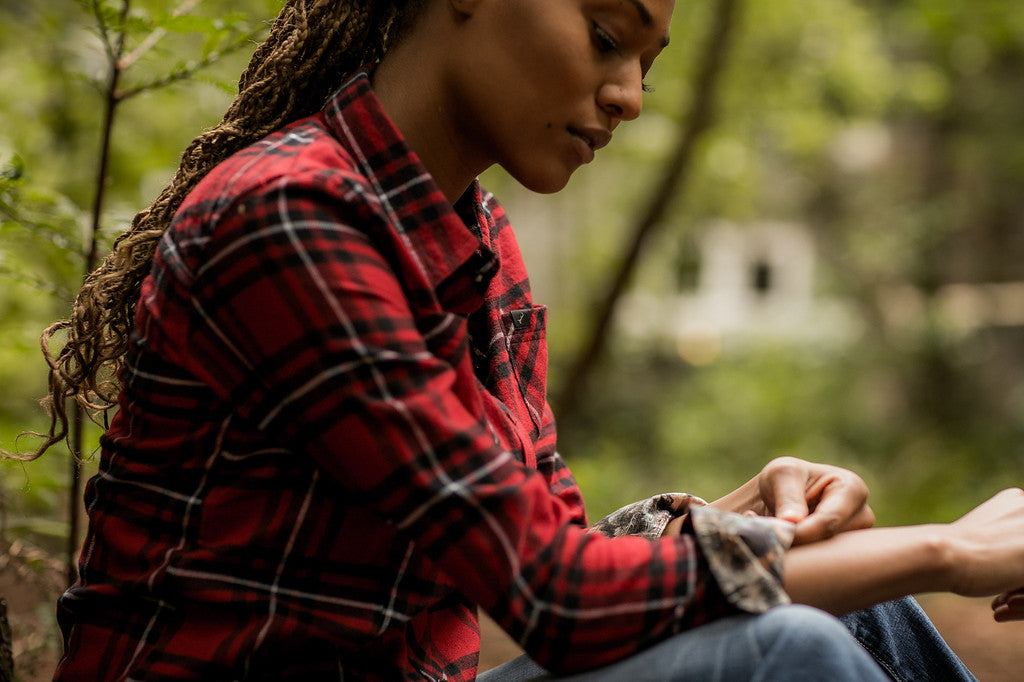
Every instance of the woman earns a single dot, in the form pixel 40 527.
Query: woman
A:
pixel 332 443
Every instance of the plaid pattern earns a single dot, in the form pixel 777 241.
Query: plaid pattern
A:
pixel 333 442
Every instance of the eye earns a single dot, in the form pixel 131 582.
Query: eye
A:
pixel 606 43
pixel 604 40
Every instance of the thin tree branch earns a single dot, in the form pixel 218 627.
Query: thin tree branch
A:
pixel 78 412
pixel 6 645
pixel 155 35
pixel 189 70
pixel 97 11
pixel 680 162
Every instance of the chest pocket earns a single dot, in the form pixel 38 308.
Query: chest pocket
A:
pixel 525 341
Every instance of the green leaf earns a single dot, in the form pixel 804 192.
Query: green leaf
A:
pixel 189 23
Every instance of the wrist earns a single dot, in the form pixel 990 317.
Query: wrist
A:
pixel 863 567
pixel 939 557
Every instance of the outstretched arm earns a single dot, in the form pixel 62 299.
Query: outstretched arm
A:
pixel 980 554
pixel 840 564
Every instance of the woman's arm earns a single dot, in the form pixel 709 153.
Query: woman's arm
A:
pixel 980 554
pixel 314 338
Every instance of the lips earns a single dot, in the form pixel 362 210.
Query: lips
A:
pixel 593 136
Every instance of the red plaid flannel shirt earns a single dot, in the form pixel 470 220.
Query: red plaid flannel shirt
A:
pixel 333 442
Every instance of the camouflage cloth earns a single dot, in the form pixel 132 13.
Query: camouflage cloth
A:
pixel 744 552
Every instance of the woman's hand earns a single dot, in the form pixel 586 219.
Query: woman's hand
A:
pixel 820 499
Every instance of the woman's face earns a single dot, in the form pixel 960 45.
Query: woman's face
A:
pixel 541 84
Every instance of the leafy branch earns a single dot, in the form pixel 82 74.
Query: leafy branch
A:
pixel 114 26
pixel 37 283
pixel 190 69
pixel 150 41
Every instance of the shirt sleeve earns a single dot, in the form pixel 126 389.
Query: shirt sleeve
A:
pixel 301 323
pixel 562 484
pixel 744 553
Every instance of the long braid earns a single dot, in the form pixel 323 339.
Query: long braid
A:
pixel 312 46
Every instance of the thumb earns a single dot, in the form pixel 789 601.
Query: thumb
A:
pixel 787 493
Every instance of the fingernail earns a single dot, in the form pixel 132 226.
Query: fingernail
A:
pixel 789 513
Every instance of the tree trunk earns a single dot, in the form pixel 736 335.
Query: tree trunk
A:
pixel 6 642
pixel 670 187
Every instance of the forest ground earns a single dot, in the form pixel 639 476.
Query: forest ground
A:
pixel 30 582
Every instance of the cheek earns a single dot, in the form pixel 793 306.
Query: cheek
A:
pixel 548 52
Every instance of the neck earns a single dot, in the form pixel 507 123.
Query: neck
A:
pixel 410 85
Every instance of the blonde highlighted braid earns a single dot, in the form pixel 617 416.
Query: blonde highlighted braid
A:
pixel 312 47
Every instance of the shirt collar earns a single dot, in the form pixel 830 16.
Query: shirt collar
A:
pixel 455 259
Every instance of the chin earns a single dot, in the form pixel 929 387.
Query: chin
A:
pixel 542 182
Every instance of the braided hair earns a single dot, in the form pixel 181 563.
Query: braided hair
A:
pixel 312 47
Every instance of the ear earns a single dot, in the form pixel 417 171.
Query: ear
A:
pixel 465 7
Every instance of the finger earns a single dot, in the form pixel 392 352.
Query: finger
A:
pixel 786 493
pixel 865 518
pixel 1007 613
pixel 823 523
pixel 1012 599
pixel 814 528
pixel 784 530
pixel 842 506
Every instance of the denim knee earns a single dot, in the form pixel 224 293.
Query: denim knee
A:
pixel 802 624
pixel 801 642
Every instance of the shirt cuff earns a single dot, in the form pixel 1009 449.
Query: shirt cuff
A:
pixel 646 518
pixel 744 553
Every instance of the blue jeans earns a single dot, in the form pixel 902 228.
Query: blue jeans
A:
pixel 894 640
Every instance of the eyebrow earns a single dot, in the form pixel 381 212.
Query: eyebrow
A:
pixel 645 17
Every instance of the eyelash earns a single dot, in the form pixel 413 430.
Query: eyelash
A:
pixel 606 43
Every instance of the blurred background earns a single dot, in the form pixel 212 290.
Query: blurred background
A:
pixel 809 244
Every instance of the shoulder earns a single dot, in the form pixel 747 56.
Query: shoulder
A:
pixel 300 173
pixel 303 156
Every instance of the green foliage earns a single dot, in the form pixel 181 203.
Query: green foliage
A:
pixel 714 427
pixel 891 131
pixel 174 65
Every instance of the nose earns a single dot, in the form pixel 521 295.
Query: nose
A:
pixel 621 95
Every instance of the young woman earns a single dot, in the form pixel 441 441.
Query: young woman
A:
pixel 332 444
